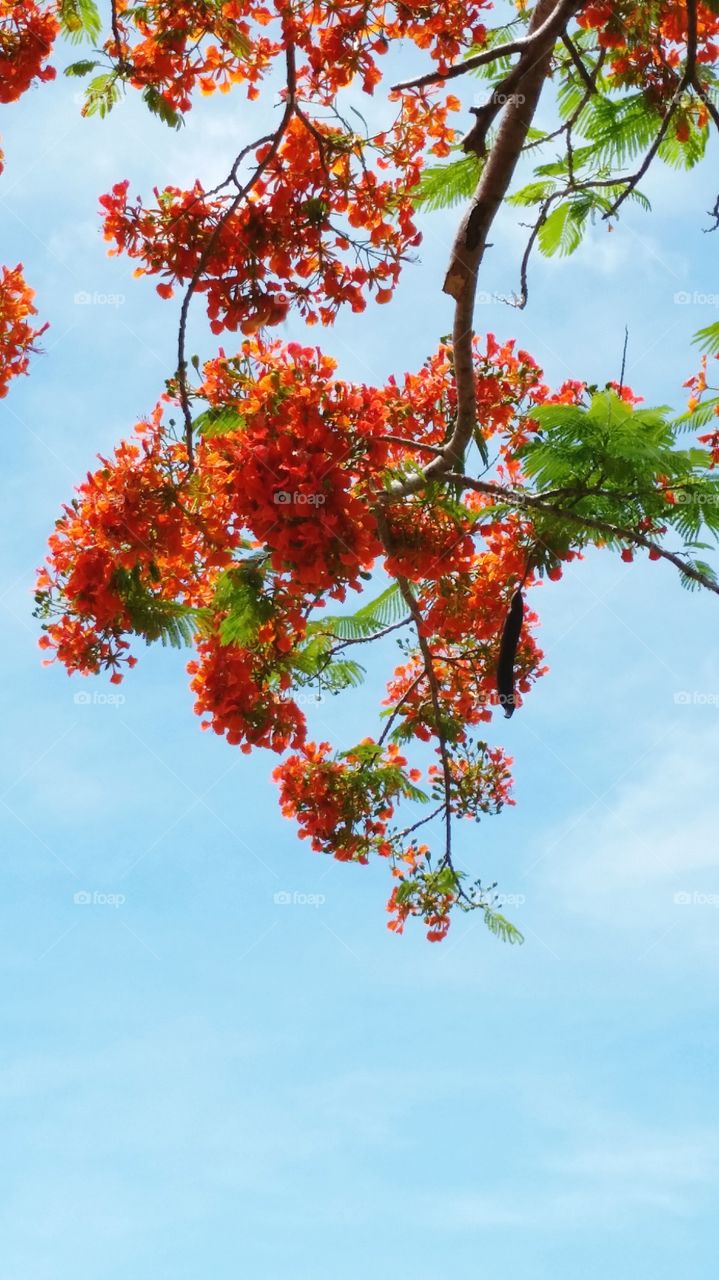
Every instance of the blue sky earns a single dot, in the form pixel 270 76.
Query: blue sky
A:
pixel 197 1080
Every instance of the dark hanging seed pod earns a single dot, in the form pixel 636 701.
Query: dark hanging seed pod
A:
pixel 508 652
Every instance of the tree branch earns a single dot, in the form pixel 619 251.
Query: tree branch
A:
pixel 529 501
pixel 550 25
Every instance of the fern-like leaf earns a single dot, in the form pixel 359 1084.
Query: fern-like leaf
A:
pixel 445 185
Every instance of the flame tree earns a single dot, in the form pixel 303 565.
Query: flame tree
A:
pixel 443 496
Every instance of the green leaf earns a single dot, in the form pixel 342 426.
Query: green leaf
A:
pixel 701 566
pixel 80 20
pixel 82 68
pixel 241 595
pixel 101 95
pixel 708 339
pixel 620 130
pixel 532 193
pixel 410 792
pixel 442 186
pixel 230 35
pixel 562 230
pixel 160 107
pixel 154 617
pixel 389 607
pixel 684 155
pixel 219 421
pixel 502 928
pixel 695 419
pixel 344 674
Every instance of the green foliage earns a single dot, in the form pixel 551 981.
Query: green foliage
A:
pixel 708 339
pixel 701 566
pixel 502 928
pixel 153 617
pixel 79 20
pixel 231 35
pixel 387 779
pixel 315 662
pixel 160 107
pixel 444 185
pixel 342 674
pixel 614 463
pixel 561 231
pixel 705 412
pixel 384 611
pixel 686 154
pixel 610 135
pixel 241 596
pixel 102 93
pixel 81 68
pixel 219 421
pixel 619 130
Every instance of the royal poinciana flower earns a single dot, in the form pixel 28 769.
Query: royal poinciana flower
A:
pixel 18 335
pixel 27 34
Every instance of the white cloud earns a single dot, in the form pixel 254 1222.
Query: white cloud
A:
pixel 651 837
pixel 605 1170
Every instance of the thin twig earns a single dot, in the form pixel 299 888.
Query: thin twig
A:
pixel 212 240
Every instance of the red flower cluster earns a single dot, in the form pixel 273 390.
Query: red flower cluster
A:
pixel 172 47
pixel 27 34
pixel 18 337
pixel 279 514
pixel 320 229
pixel 232 688
pixel 343 804
pixel 290 472
pixel 175 47
pixel 649 43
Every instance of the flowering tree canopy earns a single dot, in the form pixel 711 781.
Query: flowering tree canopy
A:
pixel 251 507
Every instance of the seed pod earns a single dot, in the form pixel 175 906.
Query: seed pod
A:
pixel 508 652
